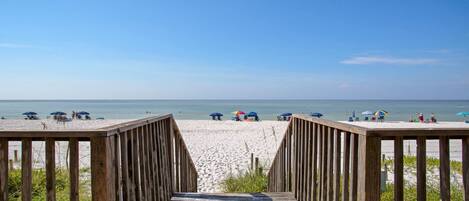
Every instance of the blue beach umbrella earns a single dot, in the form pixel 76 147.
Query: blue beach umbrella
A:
pixel 30 114
pixel 316 114
pixel 216 114
pixel 287 114
pixel 464 114
pixel 367 113
pixel 83 113
pixel 58 113
pixel 252 114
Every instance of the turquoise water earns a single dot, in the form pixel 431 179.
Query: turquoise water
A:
pixel 267 109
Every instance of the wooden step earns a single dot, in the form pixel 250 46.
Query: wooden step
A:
pixel 277 196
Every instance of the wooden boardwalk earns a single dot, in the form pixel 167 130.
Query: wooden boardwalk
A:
pixel 276 196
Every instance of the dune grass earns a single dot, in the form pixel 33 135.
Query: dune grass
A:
pixel 39 185
pixel 410 193
pixel 247 182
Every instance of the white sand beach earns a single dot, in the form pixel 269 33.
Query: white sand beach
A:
pixel 219 148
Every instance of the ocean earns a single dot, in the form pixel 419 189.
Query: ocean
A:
pixel 445 110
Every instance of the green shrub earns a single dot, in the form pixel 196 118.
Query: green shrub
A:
pixel 410 193
pixel 62 185
pixel 248 182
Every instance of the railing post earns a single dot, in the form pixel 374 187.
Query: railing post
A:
pixel 369 168
pixel 26 169
pixel 465 166
pixel 3 169
pixel 102 182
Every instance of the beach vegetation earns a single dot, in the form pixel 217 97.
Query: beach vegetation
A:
pixel 62 184
pixel 410 193
pixel 246 182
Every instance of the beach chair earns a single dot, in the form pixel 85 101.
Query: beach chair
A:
pixel 350 119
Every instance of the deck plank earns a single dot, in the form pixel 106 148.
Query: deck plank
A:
pixel 280 196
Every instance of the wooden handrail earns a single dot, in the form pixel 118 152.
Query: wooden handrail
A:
pixel 310 161
pixel 144 159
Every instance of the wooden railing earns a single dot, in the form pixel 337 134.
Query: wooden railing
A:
pixel 139 160
pixel 311 164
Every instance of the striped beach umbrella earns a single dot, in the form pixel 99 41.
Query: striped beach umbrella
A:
pixel 381 113
pixel 238 112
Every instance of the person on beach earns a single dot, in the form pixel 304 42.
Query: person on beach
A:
pixel 421 119
pixel 433 118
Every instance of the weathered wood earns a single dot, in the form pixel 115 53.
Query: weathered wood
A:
pixel 465 166
pixel 50 169
pixel 149 165
pixel 26 170
pixel 136 160
pixel 301 170
pixel 330 163
pixel 399 169
pixel 354 167
pixel 280 196
pixel 102 186
pixel 74 169
pixel 296 158
pixel 337 157
pixel 444 169
pixel 320 178
pixel 333 124
pixel 178 163
pixel 320 159
pixel 117 166
pixel 309 154
pixel 3 169
pixel 160 173
pixel 346 164
pixel 288 158
pixel 135 166
pixel 142 162
pixel 125 152
pixel 421 169
pixel 369 167
pixel 314 194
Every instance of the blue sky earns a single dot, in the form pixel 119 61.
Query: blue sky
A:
pixel 234 49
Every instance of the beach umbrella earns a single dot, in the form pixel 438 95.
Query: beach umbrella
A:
pixel 316 114
pixel 381 113
pixel 367 113
pixel 83 113
pixel 58 113
pixel 287 114
pixel 216 114
pixel 252 114
pixel 30 114
pixel 464 114
pixel 238 112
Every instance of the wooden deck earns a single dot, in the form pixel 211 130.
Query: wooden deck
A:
pixel 280 196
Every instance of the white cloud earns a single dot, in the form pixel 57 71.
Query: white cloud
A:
pixel 14 45
pixel 388 60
